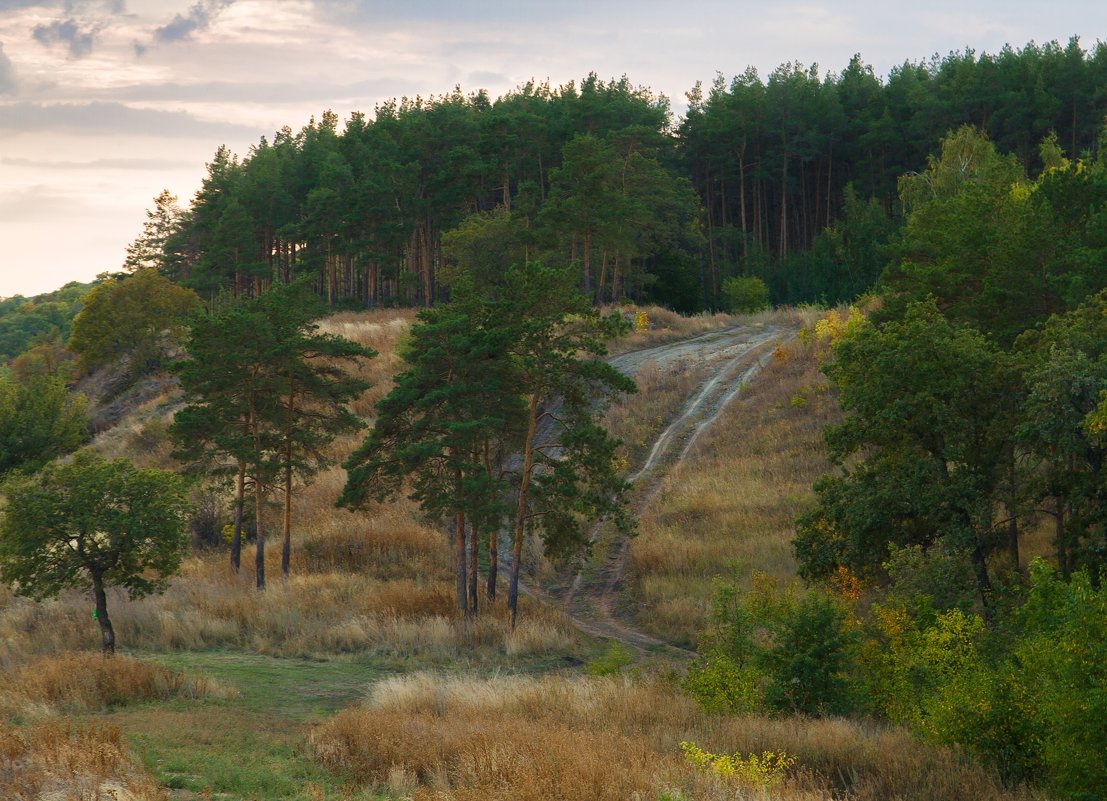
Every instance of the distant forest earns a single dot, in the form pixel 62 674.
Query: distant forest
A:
pixel 791 178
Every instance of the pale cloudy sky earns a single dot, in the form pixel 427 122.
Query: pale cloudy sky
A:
pixel 103 103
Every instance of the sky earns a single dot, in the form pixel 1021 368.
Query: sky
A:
pixel 105 103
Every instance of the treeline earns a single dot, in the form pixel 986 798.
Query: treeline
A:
pixel 29 322
pixel 790 178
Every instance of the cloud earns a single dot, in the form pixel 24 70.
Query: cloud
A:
pixel 100 164
pixel 182 27
pixel 111 118
pixel 12 5
pixel 69 32
pixel 7 73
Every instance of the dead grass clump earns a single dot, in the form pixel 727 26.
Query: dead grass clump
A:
pixel 82 682
pixel 59 761
pixel 560 737
pixel 730 506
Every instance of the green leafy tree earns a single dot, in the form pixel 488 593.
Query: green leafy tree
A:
pixel 40 419
pixel 746 294
pixel 126 316
pixel 772 648
pixel 93 524
pixel 930 411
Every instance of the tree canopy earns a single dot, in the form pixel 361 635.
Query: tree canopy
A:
pixel 92 524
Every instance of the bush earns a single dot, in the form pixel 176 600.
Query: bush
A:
pixel 612 661
pixel 775 649
pixel 746 294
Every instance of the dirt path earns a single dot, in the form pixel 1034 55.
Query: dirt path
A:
pixel 731 358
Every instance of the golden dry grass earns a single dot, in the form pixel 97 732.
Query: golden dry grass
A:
pixel 454 738
pixel 85 682
pixel 729 507
pixel 664 325
pixel 638 419
pixel 60 761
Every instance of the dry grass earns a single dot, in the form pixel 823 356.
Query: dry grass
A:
pixel 665 325
pixel 729 507
pixel 380 330
pixel 640 418
pixel 556 737
pixel 86 682
pixel 60 761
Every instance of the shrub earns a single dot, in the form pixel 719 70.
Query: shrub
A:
pixel 774 648
pixel 612 661
pixel 746 294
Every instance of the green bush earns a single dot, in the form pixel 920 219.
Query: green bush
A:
pixel 775 649
pixel 612 661
pixel 746 294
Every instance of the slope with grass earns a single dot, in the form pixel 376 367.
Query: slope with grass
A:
pixel 231 694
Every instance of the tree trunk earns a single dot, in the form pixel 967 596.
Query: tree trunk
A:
pixel 259 560
pixel 493 564
pixel 587 262
pixel 459 562
pixel 1013 541
pixel 107 633
pixel 742 203
pixel 983 583
pixel 1061 541
pixel 521 511
pixel 239 505
pixel 493 536
pixel 286 546
pixel 474 550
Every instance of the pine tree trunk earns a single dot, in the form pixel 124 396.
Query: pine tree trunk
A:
pixel 459 562
pixel 259 560
pixel 107 633
pixel 239 505
pixel 474 550
pixel 493 537
pixel 521 511
pixel 286 546
pixel 493 564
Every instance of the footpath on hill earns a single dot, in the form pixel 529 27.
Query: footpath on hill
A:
pixel 728 359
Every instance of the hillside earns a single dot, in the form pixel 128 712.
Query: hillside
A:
pixel 252 705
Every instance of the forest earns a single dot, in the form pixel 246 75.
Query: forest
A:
pixel 791 178
pixel 408 346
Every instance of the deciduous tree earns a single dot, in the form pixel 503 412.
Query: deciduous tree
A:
pixel 93 524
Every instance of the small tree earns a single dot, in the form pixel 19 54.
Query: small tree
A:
pixel 451 411
pixel 746 294
pixel 39 420
pixel 126 317
pixel 267 393
pixel 93 524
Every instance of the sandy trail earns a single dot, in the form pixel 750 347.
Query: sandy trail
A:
pixel 730 358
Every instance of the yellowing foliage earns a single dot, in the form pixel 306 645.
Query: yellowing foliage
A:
pixel 764 771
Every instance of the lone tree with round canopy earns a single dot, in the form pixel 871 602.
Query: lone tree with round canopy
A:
pixel 93 524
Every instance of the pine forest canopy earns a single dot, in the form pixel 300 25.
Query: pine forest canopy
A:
pixel 792 178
